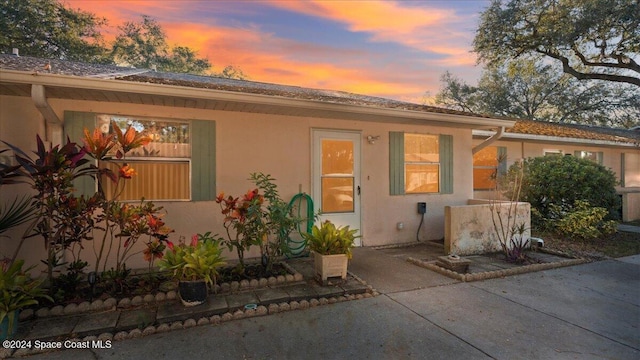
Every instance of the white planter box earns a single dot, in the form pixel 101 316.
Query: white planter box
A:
pixel 329 266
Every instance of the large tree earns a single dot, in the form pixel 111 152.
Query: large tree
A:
pixel 45 28
pixel 592 39
pixel 143 44
pixel 530 89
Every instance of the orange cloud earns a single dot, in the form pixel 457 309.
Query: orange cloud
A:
pixel 263 56
pixel 425 29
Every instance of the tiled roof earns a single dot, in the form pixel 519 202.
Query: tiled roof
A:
pixel 22 63
pixel 532 127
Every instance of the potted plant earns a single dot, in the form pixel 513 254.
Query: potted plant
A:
pixel 195 266
pixel 331 247
pixel 17 291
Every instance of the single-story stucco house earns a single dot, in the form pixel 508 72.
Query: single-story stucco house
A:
pixel 365 161
pixel 616 149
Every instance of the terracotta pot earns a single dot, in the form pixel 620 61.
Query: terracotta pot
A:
pixel 193 293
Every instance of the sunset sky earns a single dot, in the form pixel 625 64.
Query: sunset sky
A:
pixel 394 49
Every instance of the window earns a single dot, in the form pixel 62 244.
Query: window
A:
pixel 487 164
pixel 163 166
pixel 179 164
pixel 595 156
pixel 553 152
pixel 420 163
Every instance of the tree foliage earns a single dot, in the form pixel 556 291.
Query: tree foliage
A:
pixel 47 29
pixel 553 185
pixel 592 39
pixel 143 44
pixel 529 89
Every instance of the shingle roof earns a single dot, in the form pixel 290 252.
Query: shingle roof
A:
pixel 23 63
pixel 532 127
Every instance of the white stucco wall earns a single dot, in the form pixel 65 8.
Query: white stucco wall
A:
pixel 473 229
pixel 277 145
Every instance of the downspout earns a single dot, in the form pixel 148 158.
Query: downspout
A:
pixel 495 137
pixel 52 124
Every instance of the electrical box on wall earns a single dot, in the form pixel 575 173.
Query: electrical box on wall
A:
pixel 422 208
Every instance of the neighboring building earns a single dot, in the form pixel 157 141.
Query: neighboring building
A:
pixel 366 161
pixel 617 149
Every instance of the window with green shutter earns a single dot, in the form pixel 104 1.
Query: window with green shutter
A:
pixel 179 163
pixel 420 163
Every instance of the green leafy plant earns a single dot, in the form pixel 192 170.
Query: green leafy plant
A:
pixel 18 291
pixel 68 283
pixel 583 221
pixel 198 260
pixel 277 221
pixel 331 240
pixel 242 223
pixel 261 218
pixel 552 184
pixel 61 218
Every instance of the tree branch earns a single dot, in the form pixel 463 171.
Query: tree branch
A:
pixel 593 76
pixel 632 65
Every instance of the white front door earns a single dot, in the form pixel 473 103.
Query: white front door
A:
pixel 336 177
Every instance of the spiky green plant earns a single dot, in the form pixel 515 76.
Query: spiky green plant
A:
pixel 15 213
pixel 331 240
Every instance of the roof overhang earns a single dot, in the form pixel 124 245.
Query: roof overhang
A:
pixel 482 134
pixel 18 83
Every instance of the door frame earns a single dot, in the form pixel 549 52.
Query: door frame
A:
pixel 355 221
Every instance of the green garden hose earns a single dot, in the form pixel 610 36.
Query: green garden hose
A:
pixel 297 247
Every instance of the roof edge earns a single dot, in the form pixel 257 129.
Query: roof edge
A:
pixel 556 139
pixel 66 81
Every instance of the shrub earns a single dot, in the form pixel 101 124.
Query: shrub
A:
pixel 552 184
pixel 585 222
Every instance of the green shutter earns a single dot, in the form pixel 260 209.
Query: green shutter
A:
pixel 446 164
pixel 502 160
pixel 622 169
pixel 396 163
pixel 203 160
pixel 74 124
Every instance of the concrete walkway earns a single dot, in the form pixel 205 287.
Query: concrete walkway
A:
pixel 589 311
pixel 629 228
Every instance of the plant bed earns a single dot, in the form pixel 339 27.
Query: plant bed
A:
pixel 141 287
pixel 534 261
pixel 251 271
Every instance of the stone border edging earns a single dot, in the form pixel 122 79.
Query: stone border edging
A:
pixel 138 300
pixel 261 310
pixel 495 273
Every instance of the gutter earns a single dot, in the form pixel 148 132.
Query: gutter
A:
pixel 556 139
pixel 493 138
pixel 52 124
